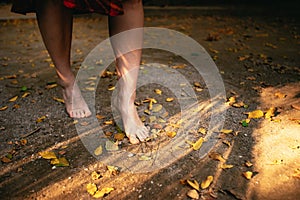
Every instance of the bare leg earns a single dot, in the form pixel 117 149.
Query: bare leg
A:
pixel 55 23
pixel 127 66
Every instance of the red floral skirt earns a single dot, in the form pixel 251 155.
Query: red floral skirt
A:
pixel 106 7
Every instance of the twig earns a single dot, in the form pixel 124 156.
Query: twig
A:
pixel 30 133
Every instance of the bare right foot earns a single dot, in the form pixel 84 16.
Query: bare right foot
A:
pixel 76 106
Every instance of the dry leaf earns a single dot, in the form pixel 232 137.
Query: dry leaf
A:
pixel 58 100
pixel 102 192
pixel 5 159
pixel 25 94
pixel 13 99
pixel 111 88
pixel 111 146
pixel 110 122
pixel 171 134
pixel 169 99
pixel 227 142
pixel 119 136
pixel 95 175
pixel 147 112
pixel 157 108
pixel 193 194
pixel 91 188
pixel 98 151
pixel 226 131
pixel 60 162
pixel 112 169
pixel 3 108
pixel 158 91
pixel 194 184
pixel 202 131
pixel 90 88
pixel 180 66
pixel 47 155
pixel 225 166
pixel 255 114
pixel 280 95
pixel 216 156
pixel 152 119
pixel 197 145
pixel 231 100
pixel 197 84
pixel 248 175
pixel 270 113
pixel 248 164
pixel 42 118
pixel 51 86
pixel 206 183
pixel 145 158
pixel 100 117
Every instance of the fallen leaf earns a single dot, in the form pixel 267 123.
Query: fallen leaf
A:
pixel 24 89
pixel 157 108
pixel 58 100
pixel 16 106
pixel 245 122
pixel 110 122
pixel 231 100
pixel 171 134
pixel 102 192
pixel 5 159
pixel 193 194
pixel 98 151
pixel 25 94
pixel 100 117
pixel 41 119
pixel 225 166
pixel 91 188
pixel 152 119
pixel 144 158
pixel 23 142
pixel 248 175
pixel 169 99
pixel 216 156
pixel 248 164
pixel 47 155
pixel 197 145
pixel 206 183
pixel 90 88
pixel 255 114
pixel 119 136
pixel 95 175
pixel 180 66
pixel 270 113
pixel 51 86
pixel 202 131
pixel 227 142
pixel 194 184
pixel 147 112
pixel 13 99
pixel 158 91
pixel 226 131
pixel 111 146
pixel 3 108
pixel 113 169
pixel 111 88
pixel 280 95
pixel 60 162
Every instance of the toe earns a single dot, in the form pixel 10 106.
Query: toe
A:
pixel 133 140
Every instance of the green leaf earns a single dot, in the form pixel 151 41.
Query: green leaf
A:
pixel 24 89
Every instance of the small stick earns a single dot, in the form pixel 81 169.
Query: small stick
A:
pixel 30 133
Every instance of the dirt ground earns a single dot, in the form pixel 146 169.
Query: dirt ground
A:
pixel 257 52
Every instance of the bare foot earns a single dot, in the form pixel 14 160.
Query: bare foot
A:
pixel 75 104
pixel 134 128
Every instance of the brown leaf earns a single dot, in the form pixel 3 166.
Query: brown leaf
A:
pixel 216 156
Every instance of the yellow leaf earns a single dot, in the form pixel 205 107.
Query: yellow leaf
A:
pixel 226 131
pixel 25 94
pixel 216 156
pixel 231 100
pixel 102 192
pixel 91 188
pixel 280 95
pixel 145 158
pixel 225 166
pixel 171 134
pixel 206 183
pixel 158 91
pixel 95 175
pixel 197 145
pixel 255 114
pixel 47 155
pixel 13 99
pixel 157 108
pixel 227 142
pixel 90 88
pixel 193 194
pixel 60 162
pixel 98 151
pixel 119 136
pixel 197 84
pixel 58 100
pixel 41 119
pixel 110 122
pixel 202 131
pixel 248 175
pixel 248 164
pixel 112 169
pixel 3 108
pixel 99 117
pixel 147 112
pixel 194 184
pixel 111 88
pixel 169 99
pixel 51 86
pixel 270 113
